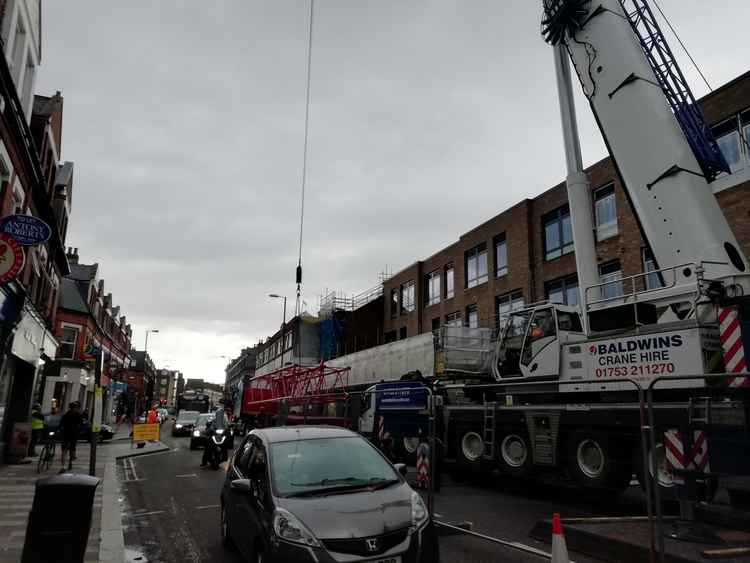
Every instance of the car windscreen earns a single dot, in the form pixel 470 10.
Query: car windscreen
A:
pixel 304 466
pixel 187 417
pixel 203 419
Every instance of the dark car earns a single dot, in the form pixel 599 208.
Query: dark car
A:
pixel 312 493
pixel 52 423
pixel 199 436
pixel 185 423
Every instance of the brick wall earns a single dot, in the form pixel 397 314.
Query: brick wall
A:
pixel 528 271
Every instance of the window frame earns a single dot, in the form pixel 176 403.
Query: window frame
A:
pixel 453 319
pixel 498 242
pixel 609 229
pixel 610 283
pixel 557 216
pixel 450 268
pixel 513 298
pixel 475 253
pixel 646 257
pixel 77 330
pixel 472 311
pixel 408 305
pixel 394 302
pixel 565 283
pixel 430 297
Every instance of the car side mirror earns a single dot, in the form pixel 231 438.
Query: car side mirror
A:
pixel 401 468
pixel 241 485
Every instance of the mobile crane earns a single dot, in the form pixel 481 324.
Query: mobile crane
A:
pixel 546 411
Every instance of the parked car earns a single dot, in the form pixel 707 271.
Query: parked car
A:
pixel 198 437
pixel 316 493
pixel 52 423
pixel 185 423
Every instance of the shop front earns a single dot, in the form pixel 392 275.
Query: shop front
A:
pixel 21 381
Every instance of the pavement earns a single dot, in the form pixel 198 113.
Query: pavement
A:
pixel 17 486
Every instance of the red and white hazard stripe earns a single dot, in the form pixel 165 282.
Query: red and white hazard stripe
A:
pixel 731 344
pixel 423 465
pixel 675 452
pixel 382 434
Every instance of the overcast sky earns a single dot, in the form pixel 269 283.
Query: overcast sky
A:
pixel 185 122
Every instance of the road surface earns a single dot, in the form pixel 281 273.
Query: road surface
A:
pixel 171 511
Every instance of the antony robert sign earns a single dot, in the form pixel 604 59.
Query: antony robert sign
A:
pixel 27 230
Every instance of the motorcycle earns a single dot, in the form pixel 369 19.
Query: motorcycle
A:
pixel 217 446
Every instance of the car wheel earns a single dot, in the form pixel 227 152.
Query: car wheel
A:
pixel 595 463
pixel 226 538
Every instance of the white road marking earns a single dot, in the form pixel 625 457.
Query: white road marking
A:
pixel 187 475
pixel 207 506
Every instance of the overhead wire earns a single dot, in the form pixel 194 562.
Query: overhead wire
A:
pixel 684 48
pixel 304 156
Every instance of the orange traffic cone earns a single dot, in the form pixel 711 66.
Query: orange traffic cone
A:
pixel 559 549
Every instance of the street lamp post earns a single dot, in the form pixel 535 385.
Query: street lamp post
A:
pixel 283 326
pixel 145 356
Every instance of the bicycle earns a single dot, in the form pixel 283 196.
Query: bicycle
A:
pixel 48 453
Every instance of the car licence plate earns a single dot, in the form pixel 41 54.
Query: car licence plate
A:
pixel 394 559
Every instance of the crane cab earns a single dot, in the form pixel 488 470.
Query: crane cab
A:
pixel 530 339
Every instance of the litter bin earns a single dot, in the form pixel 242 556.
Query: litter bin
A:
pixel 60 519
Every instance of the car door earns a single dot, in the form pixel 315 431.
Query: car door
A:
pixel 259 502
pixel 237 501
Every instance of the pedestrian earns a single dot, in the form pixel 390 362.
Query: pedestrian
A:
pixel 153 416
pixel 70 427
pixel 37 427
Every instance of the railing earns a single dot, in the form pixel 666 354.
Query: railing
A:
pixel 335 301
pixel 669 278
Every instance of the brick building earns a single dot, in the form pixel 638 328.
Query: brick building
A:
pixel 87 320
pixel 525 253
pixel 238 371
pixel 30 174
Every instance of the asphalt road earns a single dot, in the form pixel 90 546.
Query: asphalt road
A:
pixel 171 511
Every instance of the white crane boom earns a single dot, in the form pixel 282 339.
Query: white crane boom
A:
pixel 665 181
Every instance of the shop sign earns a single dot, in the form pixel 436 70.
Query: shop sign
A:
pixel 27 230
pixel 12 257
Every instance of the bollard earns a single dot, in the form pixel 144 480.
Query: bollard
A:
pixel 60 519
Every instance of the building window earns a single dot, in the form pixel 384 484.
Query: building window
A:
pixel 507 303
pixel 558 233
pixel 435 324
pixel 476 265
pixel 402 333
pixel 407 297
pixel 610 275
pixel 733 137
pixel 654 279
pixel 449 281
pixel 472 316
pixel 501 256
pixel 68 340
pixel 454 319
pixel 605 211
pixel 563 291
pixel 432 283
pixel 394 302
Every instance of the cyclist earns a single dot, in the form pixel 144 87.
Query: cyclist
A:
pixel 37 427
pixel 70 427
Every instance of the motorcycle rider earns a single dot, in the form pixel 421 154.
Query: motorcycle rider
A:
pixel 211 428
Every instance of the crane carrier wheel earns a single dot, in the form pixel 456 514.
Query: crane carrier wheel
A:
pixel 467 446
pixel 596 461
pixel 514 453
